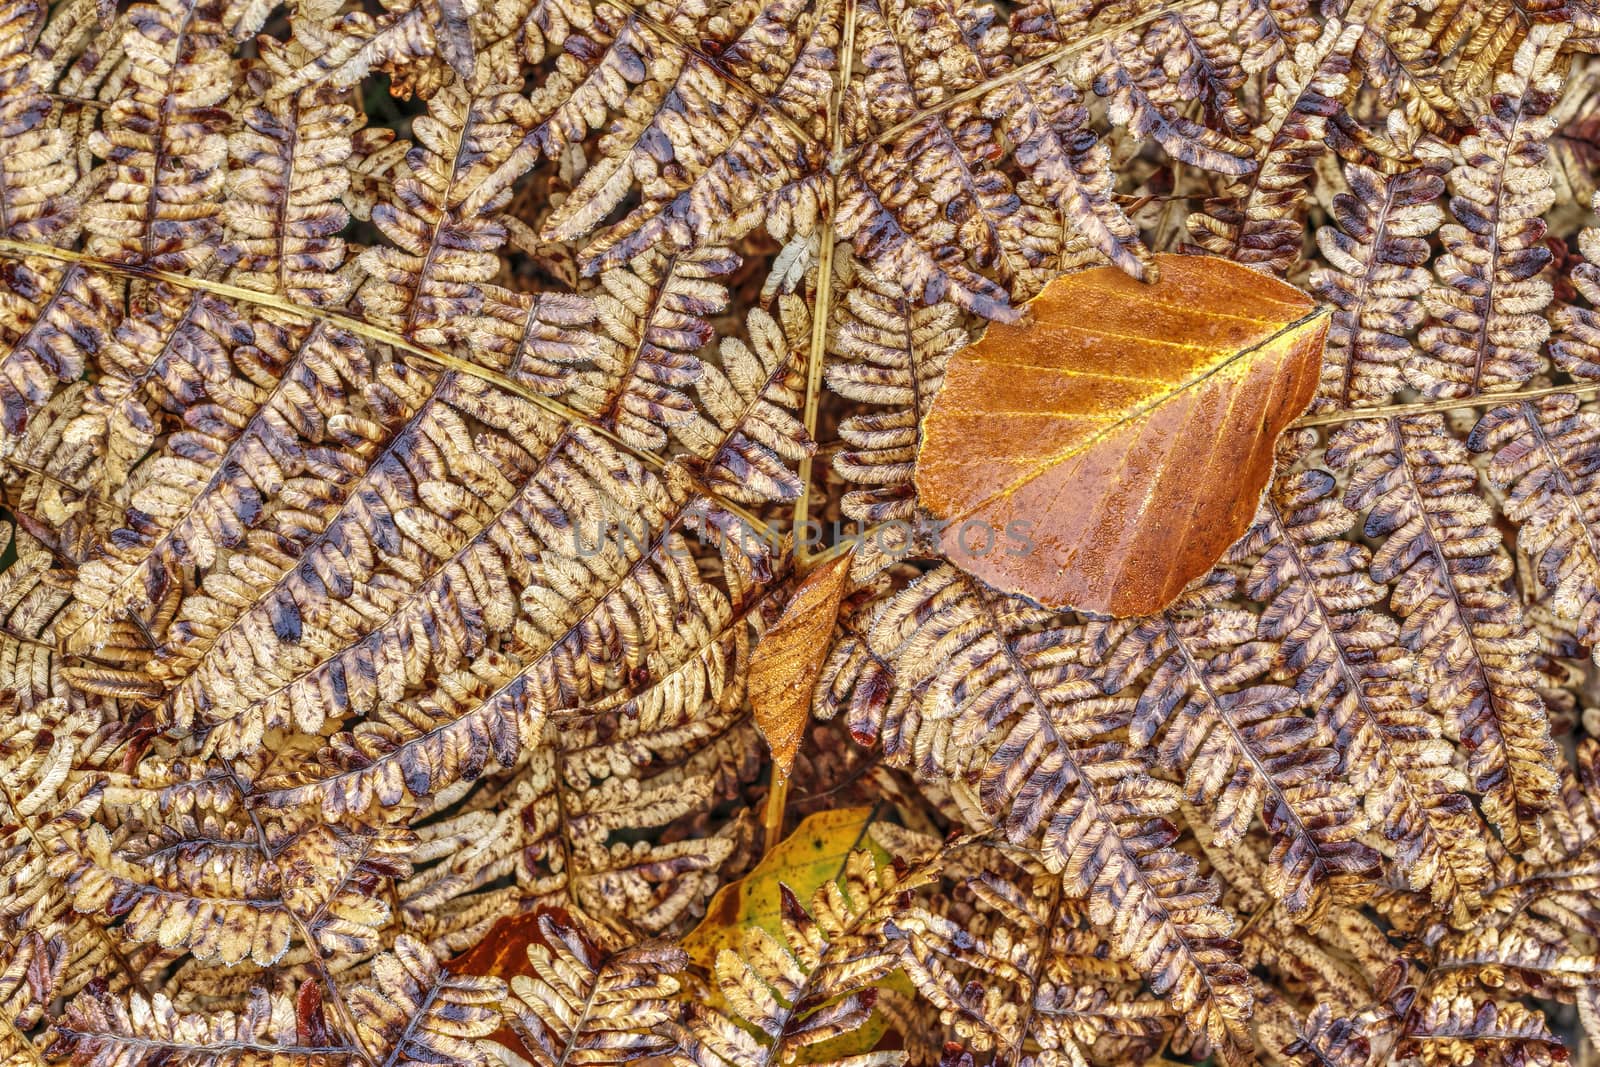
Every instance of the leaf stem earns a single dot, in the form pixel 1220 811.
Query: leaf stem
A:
pixel 817 352
pixel 772 817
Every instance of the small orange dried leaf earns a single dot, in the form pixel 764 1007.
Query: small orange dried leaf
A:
pixel 1107 450
pixel 503 953
pixel 786 663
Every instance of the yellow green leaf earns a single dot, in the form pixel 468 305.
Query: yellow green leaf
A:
pixel 804 861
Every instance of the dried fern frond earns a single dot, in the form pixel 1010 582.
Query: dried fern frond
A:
pixel 31 600
pixel 1346 661
pixel 1541 454
pixel 890 353
pixel 1414 482
pixel 220 885
pixel 1457 1024
pixel 102 1030
pixel 1135 74
pixel 157 200
pixel 653 316
pixel 27 987
pixel 1536 933
pixel 420 44
pixel 431 283
pixel 288 424
pixel 413 1012
pixel 61 316
pixel 933 161
pixel 978 664
pixel 647 587
pixel 1258 220
pixel 36 181
pixel 1269 29
pixel 918 131
pixel 711 163
pixel 1242 744
pixel 1487 332
pixel 287 182
pixel 52 795
pixel 1480 40
pixel 1377 253
pixel 40 170
pixel 751 437
pixel 1046 979
pixel 1574 349
pixel 158 363
pixel 551 828
pixel 421 541
pixel 582 1005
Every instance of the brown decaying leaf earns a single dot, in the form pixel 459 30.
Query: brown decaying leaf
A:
pixel 1106 451
pixel 785 666
pixel 387 402
pixel 503 952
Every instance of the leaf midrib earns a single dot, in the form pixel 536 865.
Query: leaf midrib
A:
pixel 1134 413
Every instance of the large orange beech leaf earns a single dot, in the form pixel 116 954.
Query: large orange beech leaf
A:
pixel 1107 449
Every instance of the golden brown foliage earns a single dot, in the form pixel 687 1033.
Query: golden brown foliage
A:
pixel 416 419
pixel 1081 428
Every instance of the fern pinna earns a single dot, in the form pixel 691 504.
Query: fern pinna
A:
pixel 413 416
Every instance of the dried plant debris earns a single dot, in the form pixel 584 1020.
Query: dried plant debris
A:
pixel 471 473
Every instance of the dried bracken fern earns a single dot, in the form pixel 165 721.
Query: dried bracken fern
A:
pixel 1052 770
pixel 584 1006
pixel 413 416
pixel 1486 330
